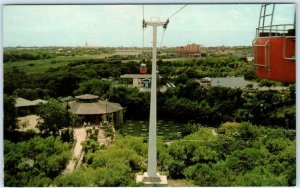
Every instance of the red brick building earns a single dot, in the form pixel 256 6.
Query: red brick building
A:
pixel 188 49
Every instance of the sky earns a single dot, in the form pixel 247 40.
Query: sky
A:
pixel 121 25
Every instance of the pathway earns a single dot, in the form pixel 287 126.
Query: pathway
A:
pixel 80 135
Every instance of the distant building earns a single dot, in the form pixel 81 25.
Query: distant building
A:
pixel 89 46
pixel 188 50
pixel 140 81
pixel 234 83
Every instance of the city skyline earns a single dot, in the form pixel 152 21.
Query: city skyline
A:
pixel 121 25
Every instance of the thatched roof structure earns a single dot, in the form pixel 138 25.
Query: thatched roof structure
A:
pixel 86 97
pixel 141 76
pixel 85 106
pixel 21 102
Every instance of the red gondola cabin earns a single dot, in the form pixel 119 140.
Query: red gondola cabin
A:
pixel 274 49
pixel 143 69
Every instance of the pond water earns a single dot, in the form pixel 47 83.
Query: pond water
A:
pixel 165 129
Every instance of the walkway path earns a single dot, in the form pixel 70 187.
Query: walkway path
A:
pixel 80 135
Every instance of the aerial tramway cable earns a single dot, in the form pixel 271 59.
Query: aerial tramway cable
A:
pixel 162 38
pixel 164 26
pixel 143 27
pixel 177 11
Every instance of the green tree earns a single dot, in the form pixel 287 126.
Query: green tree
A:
pixel 260 176
pixel 113 166
pixel 35 162
pixel 10 114
pixel 15 78
pixel 238 154
pixel 80 177
pixel 266 83
pixel 247 159
pixel 136 103
pixel 250 75
pixel 54 116
pixel 94 86
pixel 31 94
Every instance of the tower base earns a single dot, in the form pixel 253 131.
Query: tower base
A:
pixel 159 180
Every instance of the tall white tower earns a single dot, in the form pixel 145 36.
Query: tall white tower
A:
pixel 151 177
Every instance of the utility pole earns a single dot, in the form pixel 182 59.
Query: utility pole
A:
pixel 151 176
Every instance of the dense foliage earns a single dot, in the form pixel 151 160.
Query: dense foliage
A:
pixel 35 162
pixel 204 67
pixel 114 166
pixel 188 101
pixel 192 102
pixel 260 152
pixel 62 75
pixel 208 106
pixel 218 104
pixel 10 114
pixel 62 81
pixel 234 155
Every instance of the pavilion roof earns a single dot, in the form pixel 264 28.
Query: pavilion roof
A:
pixel 93 108
pixel 142 76
pixel 21 102
pixel 87 96
pixel 38 101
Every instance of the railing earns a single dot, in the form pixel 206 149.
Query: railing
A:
pixel 266 47
pixel 276 30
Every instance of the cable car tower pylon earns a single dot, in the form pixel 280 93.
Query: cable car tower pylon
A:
pixel 151 177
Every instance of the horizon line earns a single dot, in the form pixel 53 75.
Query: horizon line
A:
pixel 54 46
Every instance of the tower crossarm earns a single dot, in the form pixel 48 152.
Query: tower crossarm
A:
pixel 155 23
